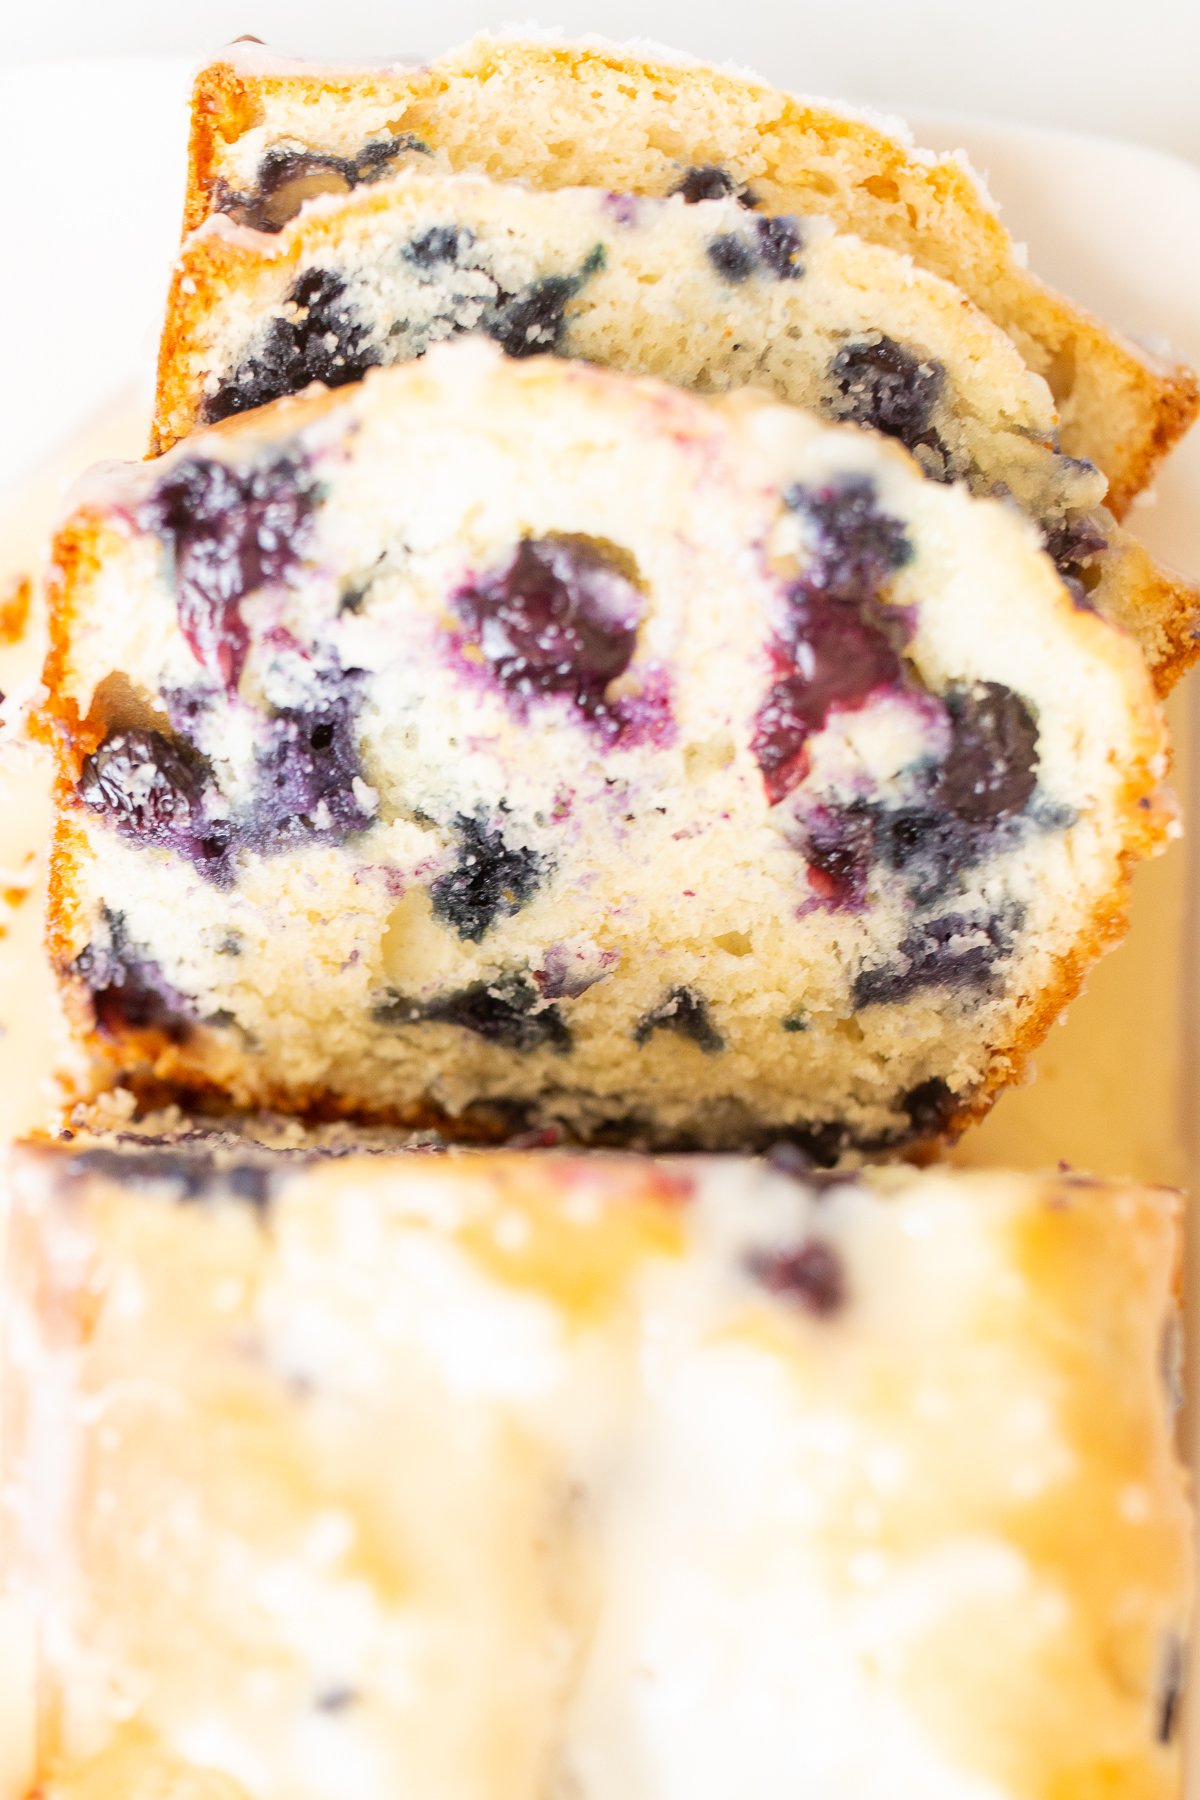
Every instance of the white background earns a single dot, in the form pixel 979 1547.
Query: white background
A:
pixel 1126 68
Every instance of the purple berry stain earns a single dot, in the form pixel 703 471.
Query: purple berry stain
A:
pixel 309 785
pixel 957 952
pixel 837 647
pixel 231 532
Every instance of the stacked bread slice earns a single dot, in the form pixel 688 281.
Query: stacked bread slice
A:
pixel 625 641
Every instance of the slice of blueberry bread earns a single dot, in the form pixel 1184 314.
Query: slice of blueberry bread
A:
pixel 490 1475
pixel 697 292
pixel 267 134
pixel 502 739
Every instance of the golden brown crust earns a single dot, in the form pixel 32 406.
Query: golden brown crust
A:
pixel 1122 407
pixel 1156 605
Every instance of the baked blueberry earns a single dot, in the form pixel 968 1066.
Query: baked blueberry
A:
pixel 158 793
pixel 309 783
pixel 321 337
pixel 438 245
pixel 930 1106
pixel 510 1012
pixel 734 257
pixel 559 617
pixel 955 951
pixel 779 242
pixel 838 844
pixel 128 989
pixel 532 322
pixel 835 647
pixel 491 879
pixel 231 531
pixel 286 178
pixel 991 770
pixel 707 182
pixel 879 382
pixel 810 1276
pixel 687 1015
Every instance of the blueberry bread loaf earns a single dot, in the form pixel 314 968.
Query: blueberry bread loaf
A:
pixel 501 740
pixel 492 1474
pixel 269 134
pixel 702 294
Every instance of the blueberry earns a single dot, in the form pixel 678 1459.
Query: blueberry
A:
pixel 858 547
pixel 927 846
pixel 811 1276
pixel 733 257
pixel 707 182
pixel 509 1012
pixel 376 159
pixel 438 245
pixel 560 617
pixel 930 1106
pixel 991 769
pixel 954 951
pixel 338 1698
pixel 286 178
pixel 534 321
pixel 923 843
pixel 308 776
pixel 324 340
pixel 779 242
pixel 1073 545
pixel 128 988
pixel 489 881
pixel 686 1014
pixel 838 844
pixel 157 793
pixel 878 382
pixel 789 1159
pixel 231 531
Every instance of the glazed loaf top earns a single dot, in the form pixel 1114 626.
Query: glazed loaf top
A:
pixel 489 1474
